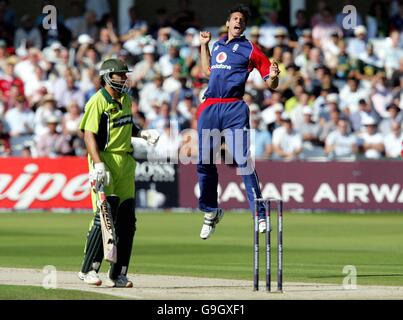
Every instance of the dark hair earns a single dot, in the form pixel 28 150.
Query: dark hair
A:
pixel 242 9
pixel 372 9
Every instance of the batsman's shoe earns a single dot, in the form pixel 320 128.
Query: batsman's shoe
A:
pixel 121 282
pixel 90 278
pixel 210 221
pixel 262 225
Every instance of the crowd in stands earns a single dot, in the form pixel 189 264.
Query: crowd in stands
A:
pixel 339 95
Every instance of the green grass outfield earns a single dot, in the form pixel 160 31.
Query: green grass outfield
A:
pixel 316 246
pixel 38 293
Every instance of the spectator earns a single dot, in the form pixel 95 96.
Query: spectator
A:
pixel 20 119
pixel 70 128
pixel 394 115
pixel 302 58
pixel 135 24
pixel 20 122
pixel 358 44
pixel 88 26
pixel 309 131
pixel 278 110
pixel 175 81
pixel 322 32
pixel 5 147
pixel 302 24
pixel 27 35
pixel 9 79
pixel 365 111
pixel 76 19
pixel 191 49
pixel 7 12
pixel 261 144
pixel 392 53
pixel 297 113
pixel 167 61
pixel 287 142
pixel 187 110
pixel 185 17
pixel 151 92
pixel 393 140
pixel 3 53
pixel 340 144
pixel 268 29
pixel 332 50
pixel 6 23
pixel 396 22
pixel 381 94
pixel 169 142
pixel 350 94
pixel 371 140
pixel 53 144
pixel 314 71
pixel 343 66
pixel 37 84
pixel 377 20
pixel 326 127
pixel 25 68
pixel 181 91
pixel 397 75
pixel 71 93
pixel 160 22
pixel 107 39
pixel 369 63
pixel 269 113
pixel 46 110
pixel 146 69
pixel 319 14
pixel 100 8
pixel 254 34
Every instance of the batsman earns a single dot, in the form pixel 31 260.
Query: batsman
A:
pixel 108 128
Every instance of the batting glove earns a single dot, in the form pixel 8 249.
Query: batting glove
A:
pixel 151 136
pixel 99 176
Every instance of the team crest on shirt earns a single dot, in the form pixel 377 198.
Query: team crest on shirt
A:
pixel 114 110
pixel 221 57
pixel 235 47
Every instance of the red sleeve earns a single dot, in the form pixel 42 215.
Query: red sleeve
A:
pixel 260 62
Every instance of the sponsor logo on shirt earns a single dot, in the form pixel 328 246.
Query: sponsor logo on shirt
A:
pixel 221 57
pixel 221 66
pixel 122 121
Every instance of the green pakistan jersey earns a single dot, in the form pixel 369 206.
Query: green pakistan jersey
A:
pixel 111 120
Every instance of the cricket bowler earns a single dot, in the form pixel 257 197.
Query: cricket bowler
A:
pixel 232 58
pixel 108 127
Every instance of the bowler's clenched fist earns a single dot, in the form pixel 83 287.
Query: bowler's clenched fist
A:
pixel 205 37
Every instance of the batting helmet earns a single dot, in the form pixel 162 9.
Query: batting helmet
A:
pixel 111 66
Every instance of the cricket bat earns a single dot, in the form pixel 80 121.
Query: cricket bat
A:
pixel 107 227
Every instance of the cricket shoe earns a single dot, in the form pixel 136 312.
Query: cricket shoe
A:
pixel 120 282
pixel 262 225
pixel 210 221
pixel 90 278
